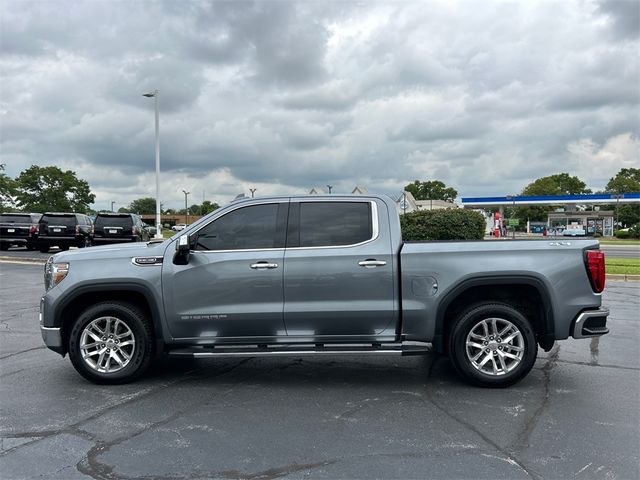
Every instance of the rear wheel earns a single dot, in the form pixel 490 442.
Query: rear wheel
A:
pixel 44 249
pixel 492 345
pixel 111 342
pixel 4 246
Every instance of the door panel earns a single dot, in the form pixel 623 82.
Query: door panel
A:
pixel 327 292
pixel 232 285
pixel 218 294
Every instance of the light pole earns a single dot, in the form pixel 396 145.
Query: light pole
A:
pixel 617 197
pixel 186 209
pixel 329 187
pixel 252 190
pixel 112 204
pixel 155 94
pixel 513 212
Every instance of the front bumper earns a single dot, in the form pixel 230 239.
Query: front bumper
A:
pixel 52 336
pixel 591 323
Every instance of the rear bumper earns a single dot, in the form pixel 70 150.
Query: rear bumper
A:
pixel 15 240
pixel 50 240
pixel 591 323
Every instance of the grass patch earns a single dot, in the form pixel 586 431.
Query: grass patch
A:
pixel 616 241
pixel 623 266
pixel 168 233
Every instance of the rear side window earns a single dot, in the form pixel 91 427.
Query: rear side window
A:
pixel 324 224
pixel 113 221
pixel 245 228
pixel 61 220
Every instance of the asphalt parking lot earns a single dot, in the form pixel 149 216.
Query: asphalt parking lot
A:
pixel 575 416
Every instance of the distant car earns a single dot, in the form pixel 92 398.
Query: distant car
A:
pixel 179 227
pixel 64 230
pixel 150 229
pixel 19 229
pixel 574 232
pixel 118 228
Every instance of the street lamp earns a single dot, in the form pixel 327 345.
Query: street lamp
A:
pixel 329 187
pixel 186 209
pixel 155 94
pixel 252 190
pixel 617 197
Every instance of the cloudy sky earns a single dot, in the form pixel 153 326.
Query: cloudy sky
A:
pixel 282 96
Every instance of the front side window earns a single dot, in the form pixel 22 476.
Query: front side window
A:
pixel 249 227
pixel 334 223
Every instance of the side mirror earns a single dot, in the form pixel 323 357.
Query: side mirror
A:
pixel 183 248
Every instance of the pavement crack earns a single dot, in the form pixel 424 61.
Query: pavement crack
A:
pixel 522 442
pixel 22 351
pixel 507 455
pixel 275 472
pixel 91 466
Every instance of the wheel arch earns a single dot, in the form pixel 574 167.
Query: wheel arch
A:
pixel 85 296
pixel 529 293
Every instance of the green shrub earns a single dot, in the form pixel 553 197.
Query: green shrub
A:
pixel 634 231
pixel 622 234
pixel 450 224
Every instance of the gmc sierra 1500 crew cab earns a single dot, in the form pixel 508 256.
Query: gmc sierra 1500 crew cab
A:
pixel 319 275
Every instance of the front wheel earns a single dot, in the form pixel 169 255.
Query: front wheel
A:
pixel 111 343
pixel 492 345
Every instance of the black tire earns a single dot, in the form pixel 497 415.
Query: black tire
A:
pixel 31 247
pixel 473 318
pixel 63 248
pixel 4 247
pixel 84 242
pixel 44 249
pixel 141 329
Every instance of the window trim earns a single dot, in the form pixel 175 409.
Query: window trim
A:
pixel 284 202
pixel 375 229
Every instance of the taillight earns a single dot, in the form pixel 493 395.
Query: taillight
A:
pixel 33 229
pixel 93 230
pixel 596 269
pixel 77 229
pixel 134 230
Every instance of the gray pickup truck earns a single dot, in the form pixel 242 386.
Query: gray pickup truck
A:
pixel 319 275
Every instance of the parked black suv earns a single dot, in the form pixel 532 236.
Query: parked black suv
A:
pixel 64 230
pixel 19 229
pixel 118 228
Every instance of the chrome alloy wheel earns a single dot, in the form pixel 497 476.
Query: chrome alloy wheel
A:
pixel 495 346
pixel 107 344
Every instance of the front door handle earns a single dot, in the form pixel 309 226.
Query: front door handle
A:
pixel 263 265
pixel 372 263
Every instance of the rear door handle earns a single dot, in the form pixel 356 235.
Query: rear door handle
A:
pixel 263 265
pixel 372 263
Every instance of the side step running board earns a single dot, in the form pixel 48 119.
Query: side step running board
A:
pixel 249 351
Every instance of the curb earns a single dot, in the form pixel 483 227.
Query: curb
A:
pixel 622 277
pixel 23 260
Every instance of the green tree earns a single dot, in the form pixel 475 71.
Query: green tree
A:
pixel 431 190
pixel 627 180
pixel 40 189
pixel 143 206
pixel 208 207
pixel 7 190
pixel 558 184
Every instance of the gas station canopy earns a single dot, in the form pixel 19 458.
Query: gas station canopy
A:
pixel 551 200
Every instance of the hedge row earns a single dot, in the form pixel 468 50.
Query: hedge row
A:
pixel 633 232
pixel 450 224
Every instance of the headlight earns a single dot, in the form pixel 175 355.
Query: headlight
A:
pixel 54 273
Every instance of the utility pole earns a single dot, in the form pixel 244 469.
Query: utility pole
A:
pixel 186 208
pixel 252 190
pixel 329 187
pixel 155 94
pixel 112 204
